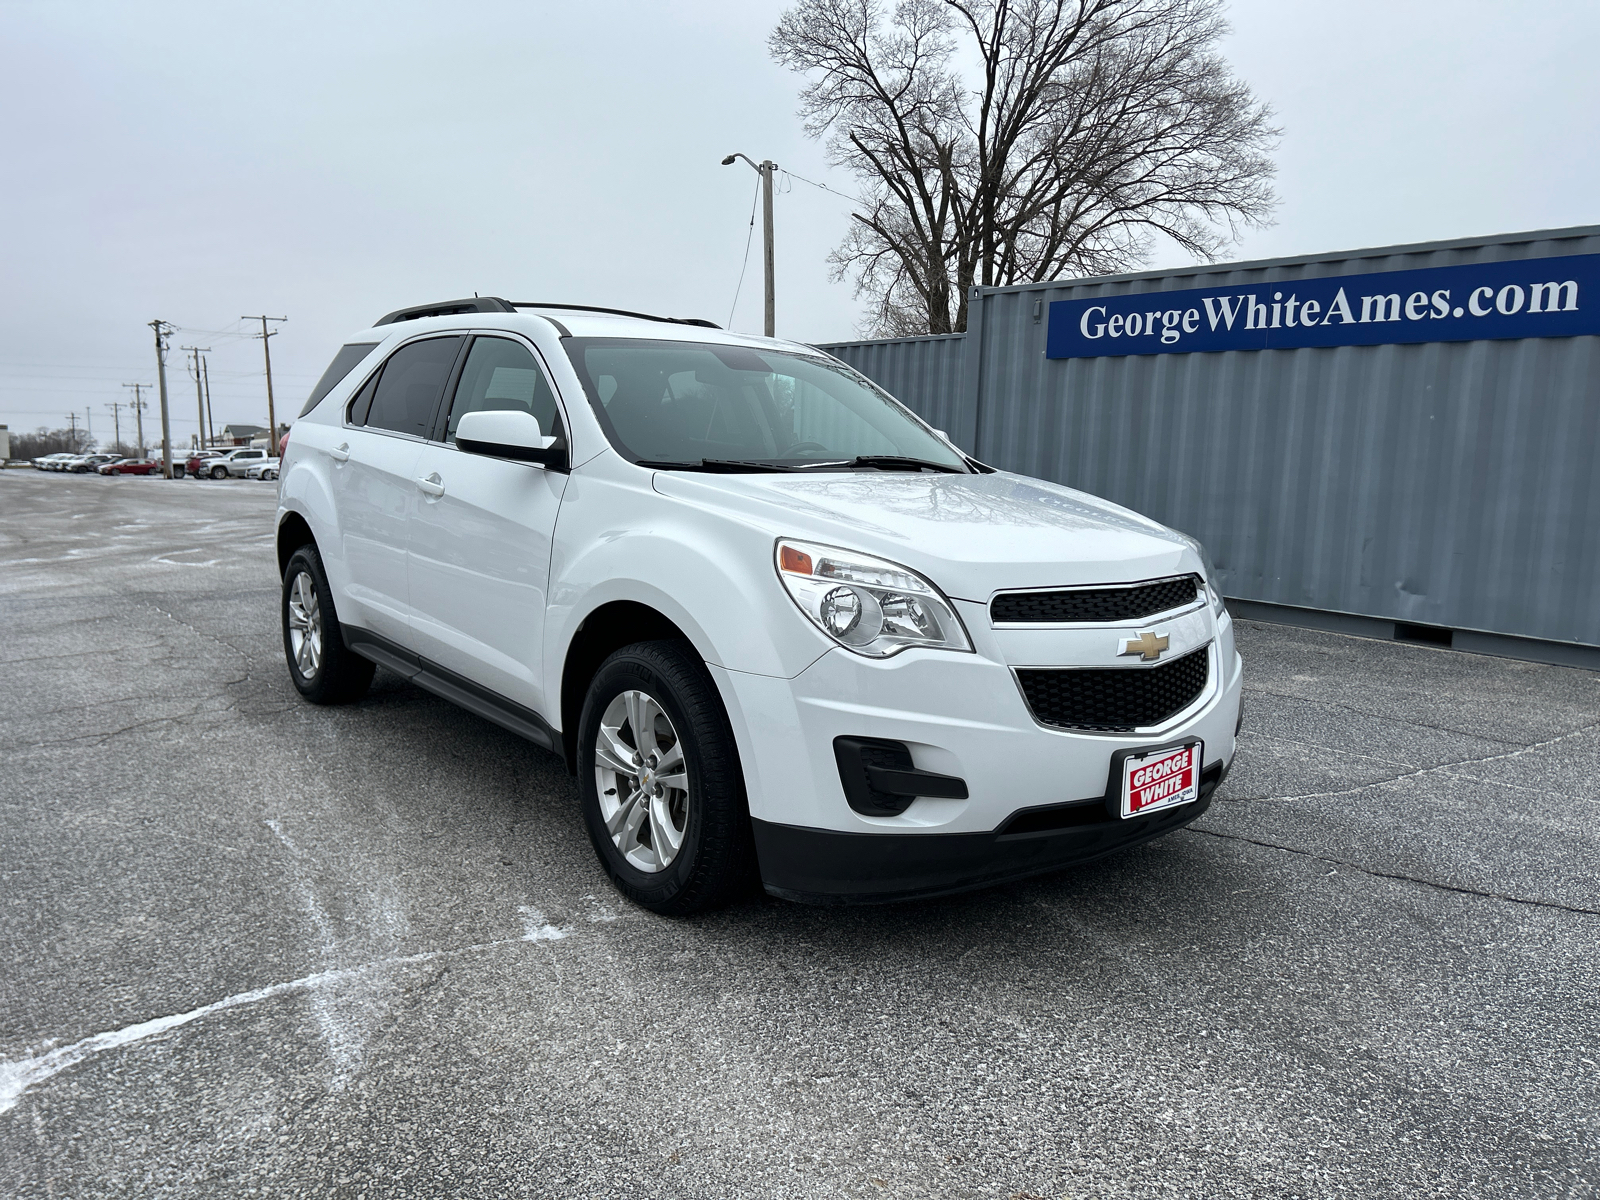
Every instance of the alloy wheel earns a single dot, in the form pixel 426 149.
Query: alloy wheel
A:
pixel 305 626
pixel 642 780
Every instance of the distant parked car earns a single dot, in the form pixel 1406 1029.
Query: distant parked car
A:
pixel 234 462
pixel 134 466
pixel 52 462
pixel 83 464
pixel 193 462
pixel 266 469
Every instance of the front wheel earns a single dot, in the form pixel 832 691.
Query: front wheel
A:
pixel 219 472
pixel 323 669
pixel 662 789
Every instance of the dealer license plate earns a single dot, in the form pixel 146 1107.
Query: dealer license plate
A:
pixel 1161 779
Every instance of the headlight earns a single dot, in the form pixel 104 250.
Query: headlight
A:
pixel 869 605
pixel 1213 585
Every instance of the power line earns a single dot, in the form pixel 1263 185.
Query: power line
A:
pixel 823 186
pixel 748 238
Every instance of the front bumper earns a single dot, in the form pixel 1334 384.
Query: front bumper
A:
pixel 821 866
pixel 961 716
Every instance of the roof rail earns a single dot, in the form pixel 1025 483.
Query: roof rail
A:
pixel 447 308
pixel 619 312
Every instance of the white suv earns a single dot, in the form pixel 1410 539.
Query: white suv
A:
pixel 775 623
pixel 232 462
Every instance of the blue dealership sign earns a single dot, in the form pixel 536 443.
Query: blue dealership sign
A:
pixel 1524 298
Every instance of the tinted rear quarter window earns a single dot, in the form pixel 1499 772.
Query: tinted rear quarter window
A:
pixel 343 363
pixel 409 388
pixel 363 399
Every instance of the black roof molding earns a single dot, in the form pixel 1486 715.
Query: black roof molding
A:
pixel 493 304
pixel 447 308
pixel 619 312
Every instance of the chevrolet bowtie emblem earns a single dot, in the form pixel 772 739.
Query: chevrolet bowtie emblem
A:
pixel 1147 646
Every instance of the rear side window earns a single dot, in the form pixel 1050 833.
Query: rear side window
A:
pixel 409 388
pixel 502 374
pixel 360 406
pixel 343 363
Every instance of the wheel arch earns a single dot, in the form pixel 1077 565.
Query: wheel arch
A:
pixel 294 531
pixel 611 626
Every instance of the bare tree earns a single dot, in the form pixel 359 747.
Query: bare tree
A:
pixel 1004 141
pixel 45 440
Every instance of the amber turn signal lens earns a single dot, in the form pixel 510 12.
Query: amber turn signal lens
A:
pixel 796 561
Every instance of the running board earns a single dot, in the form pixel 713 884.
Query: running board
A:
pixel 448 685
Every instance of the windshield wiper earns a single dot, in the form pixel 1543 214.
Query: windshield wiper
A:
pixel 736 466
pixel 718 466
pixel 893 462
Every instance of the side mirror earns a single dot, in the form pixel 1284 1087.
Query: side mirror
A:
pixel 508 433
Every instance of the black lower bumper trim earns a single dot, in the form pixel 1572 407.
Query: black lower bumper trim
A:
pixel 825 866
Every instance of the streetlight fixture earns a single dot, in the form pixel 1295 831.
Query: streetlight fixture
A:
pixel 765 169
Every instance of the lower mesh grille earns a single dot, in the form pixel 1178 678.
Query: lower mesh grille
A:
pixel 1116 699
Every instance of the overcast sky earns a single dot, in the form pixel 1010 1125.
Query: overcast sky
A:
pixel 328 162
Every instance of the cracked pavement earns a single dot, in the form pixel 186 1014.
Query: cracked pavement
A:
pixel 253 947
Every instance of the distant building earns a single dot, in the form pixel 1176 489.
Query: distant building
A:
pixel 240 435
pixel 5 443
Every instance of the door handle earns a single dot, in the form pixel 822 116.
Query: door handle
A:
pixel 340 453
pixel 432 485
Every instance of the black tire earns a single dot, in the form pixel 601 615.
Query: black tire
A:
pixel 341 675
pixel 716 863
pixel 219 472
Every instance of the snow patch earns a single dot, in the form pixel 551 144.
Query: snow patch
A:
pixel 18 1075
pixel 536 929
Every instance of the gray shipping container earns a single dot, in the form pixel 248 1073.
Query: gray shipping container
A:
pixel 1444 484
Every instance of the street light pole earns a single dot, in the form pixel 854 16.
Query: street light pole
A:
pixel 765 168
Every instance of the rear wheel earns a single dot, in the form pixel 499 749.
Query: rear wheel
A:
pixel 324 671
pixel 663 792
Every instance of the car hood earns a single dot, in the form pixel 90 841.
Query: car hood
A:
pixel 970 534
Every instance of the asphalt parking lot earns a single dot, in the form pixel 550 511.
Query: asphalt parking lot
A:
pixel 254 947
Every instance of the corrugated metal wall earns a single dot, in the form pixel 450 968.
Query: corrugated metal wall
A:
pixel 1447 484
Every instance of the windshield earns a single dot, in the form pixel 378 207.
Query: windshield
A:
pixel 691 403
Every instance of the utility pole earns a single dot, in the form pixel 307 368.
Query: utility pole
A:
pixel 766 168
pixel 72 423
pixel 164 330
pixel 116 423
pixel 199 396
pixel 211 430
pixel 137 405
pixel 272 415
